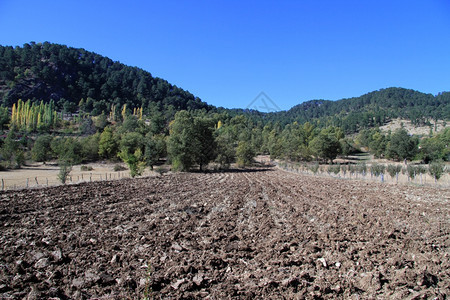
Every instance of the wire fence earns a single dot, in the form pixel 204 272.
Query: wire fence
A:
pixel 401 177
pixel 52 180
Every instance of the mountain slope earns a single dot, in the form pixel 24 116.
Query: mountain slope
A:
pixel 67 75
pixel 51 71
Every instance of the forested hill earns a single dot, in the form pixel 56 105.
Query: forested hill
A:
pixel 44 71
pixel 372 109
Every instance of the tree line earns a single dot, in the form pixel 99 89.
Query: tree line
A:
pixel 194 139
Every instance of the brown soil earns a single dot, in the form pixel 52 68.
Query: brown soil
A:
pixel 265 234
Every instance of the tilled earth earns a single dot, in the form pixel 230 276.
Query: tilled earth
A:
pixel 249 234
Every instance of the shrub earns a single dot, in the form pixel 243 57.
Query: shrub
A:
pixel 394 170
pixel 86 168
pixel 64 170
pixel 362 168
pixel 411 171
pixel 118 168
pixel 160 170
pixel 334 169
pixel 314 167
pixel 377 169
pixel 436 169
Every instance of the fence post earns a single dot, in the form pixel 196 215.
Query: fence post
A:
pixel 35 178
pixel 3 185
pixel 28 179
pixel 90 178
pixel 46 180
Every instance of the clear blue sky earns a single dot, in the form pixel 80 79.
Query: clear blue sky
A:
pixel 227 52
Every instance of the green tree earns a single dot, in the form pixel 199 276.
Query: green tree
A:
pixel 41 150
pixel 131 141
pixel 101 121
pixel 378 143
pixel 226 154
pixel 4 117
pixel 90 148
pixel 347 146
pixel 394 170
pixel 10 150
pixel 190 141
pixel 135 161
pixel 108 145
pixel 155 149
pixel 326 144
pixel 64 171
pixel 401 145
pixel 436 170
pixel 244 154
pixel 431 149
pixel 205 142
pixel 67 150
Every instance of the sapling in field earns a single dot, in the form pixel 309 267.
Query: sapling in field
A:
pixel 421 170
pixel 378 170
pixel 314 168
pixel 394 170
pixel 64 170
pixel 411 172
pixel 436 170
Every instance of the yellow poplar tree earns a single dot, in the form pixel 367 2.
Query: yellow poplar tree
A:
pixel 124 111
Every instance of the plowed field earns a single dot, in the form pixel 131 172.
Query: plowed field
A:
pixel 265 234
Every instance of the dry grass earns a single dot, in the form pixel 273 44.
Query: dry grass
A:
pixel 48 175
pixel 418 130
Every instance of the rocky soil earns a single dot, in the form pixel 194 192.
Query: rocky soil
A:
pixel 261 233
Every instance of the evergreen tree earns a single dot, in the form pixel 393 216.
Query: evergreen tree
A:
pixel 41 150
pixel 401 145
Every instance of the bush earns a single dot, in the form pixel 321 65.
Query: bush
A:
pixel 411 171
pixel 64 170
pixel 314 167
pixel 377 169
pixel 334 169
pixel 361 168
pixel 118 168
pixel 394 170
pixel 86 168
pixel 160 170
pixel 436 169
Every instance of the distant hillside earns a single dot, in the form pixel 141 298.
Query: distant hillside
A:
pixel 67 75
pixel 370 110
pixel 376 108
